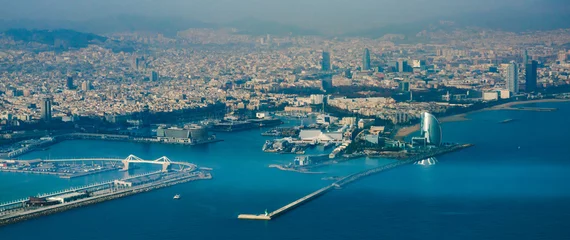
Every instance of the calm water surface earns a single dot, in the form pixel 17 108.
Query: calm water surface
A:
pixel 512 185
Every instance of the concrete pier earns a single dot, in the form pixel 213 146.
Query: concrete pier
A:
pixel 347 180
pixel 287 207
pixel 22 216
pixel 254 217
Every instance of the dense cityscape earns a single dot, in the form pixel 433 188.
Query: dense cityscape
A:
pixel 324 100
pixel 260 73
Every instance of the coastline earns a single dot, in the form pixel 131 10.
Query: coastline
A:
pixel 511 105
pixel 406 131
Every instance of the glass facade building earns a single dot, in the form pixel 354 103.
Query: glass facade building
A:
pixel 431 129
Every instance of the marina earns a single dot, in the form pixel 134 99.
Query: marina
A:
pixel 27 146
pixel 49 203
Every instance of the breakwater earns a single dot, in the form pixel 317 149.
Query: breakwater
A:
pixel 347 180
pixel 18 217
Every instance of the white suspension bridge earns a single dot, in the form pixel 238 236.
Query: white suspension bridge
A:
pixel 131 159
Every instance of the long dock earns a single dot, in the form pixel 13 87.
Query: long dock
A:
pixel 18 217
pixel 287 207
pixel 345 181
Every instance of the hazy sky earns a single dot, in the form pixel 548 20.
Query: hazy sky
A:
pixel 309 13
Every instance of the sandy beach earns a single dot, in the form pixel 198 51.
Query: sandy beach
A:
pixel 405 131
pixel 512 105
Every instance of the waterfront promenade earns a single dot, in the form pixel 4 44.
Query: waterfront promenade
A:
pixel 403 132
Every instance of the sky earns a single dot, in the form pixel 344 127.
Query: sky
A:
pixel 343 14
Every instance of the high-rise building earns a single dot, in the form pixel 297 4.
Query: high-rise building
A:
pixel 525 57
pixel 531 72
pixel 153 76
pixel 326 61
pixel 135 61
pixel 327 82
pixel 46 109
pixel 512 82
pixel 431 129
pixel 86 86
pixel 69 83
pixel 366 60
pixel 402 66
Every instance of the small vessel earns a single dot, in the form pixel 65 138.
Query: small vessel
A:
pixel 176 197
pixel 507 120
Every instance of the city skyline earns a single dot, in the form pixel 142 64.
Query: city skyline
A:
pixel 237 121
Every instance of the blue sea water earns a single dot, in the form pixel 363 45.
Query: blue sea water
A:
pixel 513 184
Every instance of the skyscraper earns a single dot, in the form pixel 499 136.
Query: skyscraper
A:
pixel 404 86
pixel 525 57
pixel 326 61
pixel 402 66
pixel 153 76
pixel 46 109
pixel 135 61
pixel 327 83
pixel 431 129
pixel 531 72
pixel 366 60
pixel 86 86
pixel 70 83
pixel 512 82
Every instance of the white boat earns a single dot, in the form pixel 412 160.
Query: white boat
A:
pixel 177 196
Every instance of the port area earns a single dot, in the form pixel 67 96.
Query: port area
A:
pixel 350 179
pixel 289 145
pixel 71 169
pixel 308 164
pixel 282 132
pixel 234 125
pixel 50 203
pixel 20 148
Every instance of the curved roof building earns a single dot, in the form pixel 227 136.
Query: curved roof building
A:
pixel 431 129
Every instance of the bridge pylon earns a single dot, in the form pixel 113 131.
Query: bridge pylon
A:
pixel 126 164
pixel 165 166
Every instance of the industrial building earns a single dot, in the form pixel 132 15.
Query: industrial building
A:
pixel 68 197
pixel 193 134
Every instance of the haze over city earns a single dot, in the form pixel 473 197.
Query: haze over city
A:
pixel 327 16
pixel 274 119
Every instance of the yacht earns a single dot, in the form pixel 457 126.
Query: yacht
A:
pixel 177 196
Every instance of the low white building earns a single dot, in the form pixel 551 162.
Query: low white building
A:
pixel 316 136
pixel 490 96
